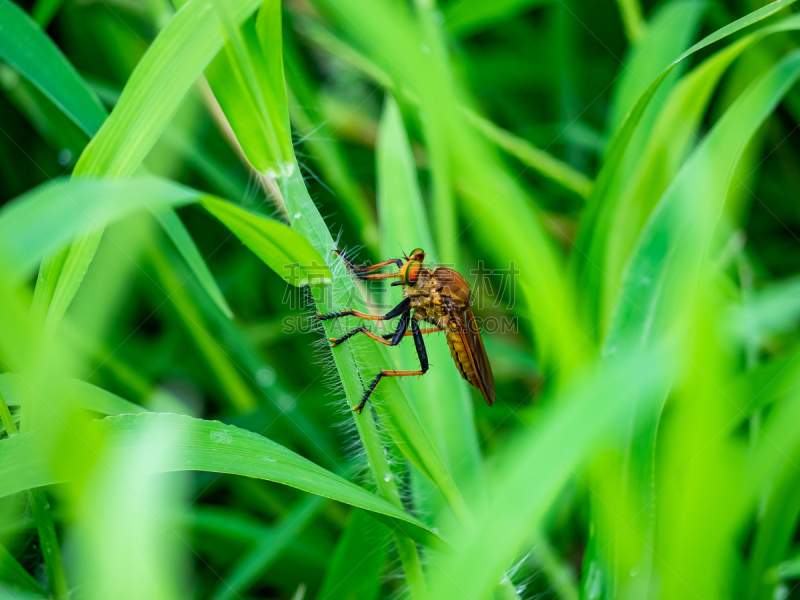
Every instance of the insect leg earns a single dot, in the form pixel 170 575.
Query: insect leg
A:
pixel 419 344
pixel 423 362
pixel 364 268
pixel 425 331
pixel 396 311
pixel 402 326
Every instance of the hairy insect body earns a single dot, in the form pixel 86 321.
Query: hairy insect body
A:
pixel 438 296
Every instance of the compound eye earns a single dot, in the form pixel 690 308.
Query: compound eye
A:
pixel 409 274
pixel 417 254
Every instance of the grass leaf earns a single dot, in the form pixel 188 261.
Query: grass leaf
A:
pixel 28 49
pixel 177 232
pixel 50 215
pixel 210 446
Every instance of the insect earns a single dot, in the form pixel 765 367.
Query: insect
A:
pixel 439 297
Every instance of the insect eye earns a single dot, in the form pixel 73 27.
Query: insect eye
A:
pixel 417 254
pixel 409 274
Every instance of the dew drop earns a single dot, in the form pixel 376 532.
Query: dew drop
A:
pixel 221 437
pixel 286 402
pixel 297 215
pixel 64 156
pixel 9 78
pixel 634 571
pixel 265 376
pixel 387 478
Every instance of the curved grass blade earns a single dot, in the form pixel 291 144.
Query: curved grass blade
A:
pixel 537 159
pixel 660 279
pixel 54 213
pixel 39 60
pixel 275 244
pixel 198 445
pixel 177 232
pixel 668 144
pixel 341 294
pixel 247 80
pixel 307 116
pixel 28 49
pixel 441 397
pixel 14 575
pixel 670 31
pixel 158 84
pixel 597 214
pixel 583 417
pixel 86 395
pixel 267 549
pixel 355 574
pixel 470 16
pixel 552 308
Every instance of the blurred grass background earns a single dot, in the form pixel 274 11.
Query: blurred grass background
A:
pixel 173 179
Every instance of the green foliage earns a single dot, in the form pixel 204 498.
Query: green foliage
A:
pixel 620 196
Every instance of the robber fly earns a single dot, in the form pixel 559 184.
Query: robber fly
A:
pixel 439 297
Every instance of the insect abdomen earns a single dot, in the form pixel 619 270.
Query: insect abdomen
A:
pixel 461 358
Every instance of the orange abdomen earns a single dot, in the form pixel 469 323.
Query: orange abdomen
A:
pixel 461 358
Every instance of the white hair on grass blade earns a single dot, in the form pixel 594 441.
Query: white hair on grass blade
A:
pixel 350 297
pixel 314 176
pixel 512 572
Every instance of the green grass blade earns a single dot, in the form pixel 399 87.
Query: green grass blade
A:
pixel 536 158
pixel 246 571
pixel 177 232
pixel 44 10
pixel 29 50
pixel 247 80
pixel 86 396
pixel 687 212
pixel 155 89
pixel 441 397
pixel 358 561
pixel 150 99
pixel 233 387
pixel 670 141
pixel 340 295
pixel 50 215
pixel 307 116
pixel 51 551
pixel 125 539
pixel 14 575
pixel 631 12
pixel 209 446
pixel 45 66
pixel 669 32
pixel 585 415
pixel 666 261
pixel 275 244
pixel 470 16
pixel 48 539
pixel 773 309
pixel 596 218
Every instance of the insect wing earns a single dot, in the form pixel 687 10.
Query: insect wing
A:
pixel 471 338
